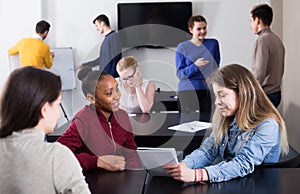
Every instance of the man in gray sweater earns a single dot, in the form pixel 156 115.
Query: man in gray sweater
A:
pixel 268 53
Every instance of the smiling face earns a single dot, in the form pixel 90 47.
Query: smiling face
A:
pixel 107 95
pixel 199 30
pixel 226 100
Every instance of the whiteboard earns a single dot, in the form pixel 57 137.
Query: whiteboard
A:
pixel 14 62
pixel 64 66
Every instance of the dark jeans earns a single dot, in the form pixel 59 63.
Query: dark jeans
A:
pixel 194 100
pixel 275 98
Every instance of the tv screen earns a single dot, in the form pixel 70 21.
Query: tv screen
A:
pixel 160 24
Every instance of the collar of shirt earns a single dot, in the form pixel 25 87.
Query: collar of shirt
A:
pixel 109 33
pixel 36 36
pixel 232 123
pixel 264 30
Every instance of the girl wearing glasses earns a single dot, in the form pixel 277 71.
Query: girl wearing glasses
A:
pixel 100 134
pixel 137 93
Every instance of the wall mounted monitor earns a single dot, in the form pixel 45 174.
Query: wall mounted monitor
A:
pixel 155 24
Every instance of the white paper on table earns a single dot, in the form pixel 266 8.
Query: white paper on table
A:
pixel 191 127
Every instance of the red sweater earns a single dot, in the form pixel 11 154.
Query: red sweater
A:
pixel 90 135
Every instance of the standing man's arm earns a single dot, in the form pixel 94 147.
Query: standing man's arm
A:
pixel 14 50
pixel 260 62
pixel 93 63
pixel 48 59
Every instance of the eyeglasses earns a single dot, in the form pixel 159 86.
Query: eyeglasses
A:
pixel 131 76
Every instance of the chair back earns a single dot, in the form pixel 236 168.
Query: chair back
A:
pixel 292 160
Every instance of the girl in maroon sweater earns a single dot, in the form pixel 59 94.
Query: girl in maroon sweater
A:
pixel 100 134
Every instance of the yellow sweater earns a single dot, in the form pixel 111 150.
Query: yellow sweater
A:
pixel 32 52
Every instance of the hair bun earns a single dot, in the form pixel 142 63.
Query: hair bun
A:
pixel 84 71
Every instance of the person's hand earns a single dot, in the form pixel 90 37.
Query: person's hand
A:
pixel 52 54
pixel 201 62
pixel 111 162
pixel 138 81
pixel 180 172
pixel 79 66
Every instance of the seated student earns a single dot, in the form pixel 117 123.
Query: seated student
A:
pixel 247 131
pixel 137 93
pixel 29 110
pixel 100 134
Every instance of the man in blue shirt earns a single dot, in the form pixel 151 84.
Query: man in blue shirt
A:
pixel 111 49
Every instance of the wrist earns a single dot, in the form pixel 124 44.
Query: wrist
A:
pixel 205 175
pixel 200 175
pixel 139 85
pixel 99 162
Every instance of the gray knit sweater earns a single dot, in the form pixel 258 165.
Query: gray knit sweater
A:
pixel 30 165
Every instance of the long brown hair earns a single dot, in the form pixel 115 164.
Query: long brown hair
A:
pixel 254 105
pixel 24 94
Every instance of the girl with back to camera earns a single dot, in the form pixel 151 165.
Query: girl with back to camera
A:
pixel 100 134
pixel 247 131
pixel 29 110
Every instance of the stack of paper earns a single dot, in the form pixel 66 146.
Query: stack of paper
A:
pixel 192 127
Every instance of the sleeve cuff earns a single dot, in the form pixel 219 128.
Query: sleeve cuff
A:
pixel 214 174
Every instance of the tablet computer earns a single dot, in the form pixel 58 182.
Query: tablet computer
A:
pixel 153 159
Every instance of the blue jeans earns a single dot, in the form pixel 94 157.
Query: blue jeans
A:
pixel 275 98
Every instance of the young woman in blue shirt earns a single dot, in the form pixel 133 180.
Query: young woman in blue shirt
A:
pixel 196 59
pixel 247 131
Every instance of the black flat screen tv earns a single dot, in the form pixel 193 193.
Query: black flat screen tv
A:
pixel 155 24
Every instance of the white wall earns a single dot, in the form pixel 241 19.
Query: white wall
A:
pixel 291 88
pixel 16 21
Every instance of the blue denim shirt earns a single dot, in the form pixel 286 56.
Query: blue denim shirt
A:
pixel 240 151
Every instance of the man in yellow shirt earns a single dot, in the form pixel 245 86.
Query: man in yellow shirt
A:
pixel 33 51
